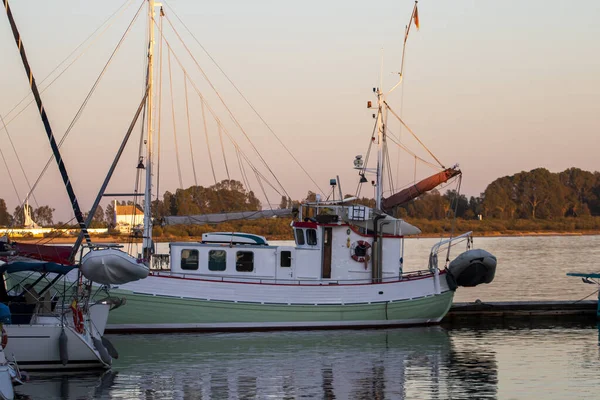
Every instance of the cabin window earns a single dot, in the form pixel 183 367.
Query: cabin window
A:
pixel 311 237
pixel 285 259
pixel 189 259
pixel 217 260
pixel 299 237
pixel 244 261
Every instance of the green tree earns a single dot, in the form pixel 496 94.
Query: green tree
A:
pixel 5 218
pixel 43 215
pixel 110 215
pixel 19 215
pixel 579 191
pixel 457 201
pixel 500 199
pixel 540 194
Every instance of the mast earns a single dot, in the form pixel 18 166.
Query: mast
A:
pixel 147 245
pixel 380 147
pixel 47 127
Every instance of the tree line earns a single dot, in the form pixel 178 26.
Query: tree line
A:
pixel 534 195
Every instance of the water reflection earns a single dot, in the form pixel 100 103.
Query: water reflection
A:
pixel 375 364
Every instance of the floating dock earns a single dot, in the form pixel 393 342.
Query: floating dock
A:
pixel 520 311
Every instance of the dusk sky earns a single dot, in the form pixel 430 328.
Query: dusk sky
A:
pixel 495 86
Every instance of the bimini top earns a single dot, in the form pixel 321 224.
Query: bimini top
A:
pixel 38 266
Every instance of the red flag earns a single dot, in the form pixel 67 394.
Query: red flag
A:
pixel 416 17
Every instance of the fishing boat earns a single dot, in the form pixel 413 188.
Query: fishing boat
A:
pixel 345 270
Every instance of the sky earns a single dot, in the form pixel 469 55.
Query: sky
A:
pixel 497 87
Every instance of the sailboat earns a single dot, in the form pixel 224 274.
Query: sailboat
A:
pixel 53 324
pixel 344 271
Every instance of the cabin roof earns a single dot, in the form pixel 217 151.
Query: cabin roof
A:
pixel 129 210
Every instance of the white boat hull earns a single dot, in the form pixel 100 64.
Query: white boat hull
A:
pixel 36 346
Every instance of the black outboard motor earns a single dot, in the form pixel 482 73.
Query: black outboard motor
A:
pixel 471 268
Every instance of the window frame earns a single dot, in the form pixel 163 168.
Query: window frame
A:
pixel 211 269
pixel 299 235
pixel 315 240
pixel 183 264
pixel 288 258
pixel 237 261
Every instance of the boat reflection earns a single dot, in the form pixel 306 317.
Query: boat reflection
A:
pixel 375 364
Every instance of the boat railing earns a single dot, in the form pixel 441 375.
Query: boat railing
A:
pixel 289 281
pixel 160 262
pixel 445 246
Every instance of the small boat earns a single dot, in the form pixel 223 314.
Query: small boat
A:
pixel 51 327
pixel 108 265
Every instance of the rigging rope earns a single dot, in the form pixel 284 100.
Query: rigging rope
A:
pixel 30 193
pixel 187 114
pixel 9 174
pixel 70 64
pixel 222 102
pixel 393 140
pixel 81 108
pixel 412 133
pixel 366 162
pixel 173 118
pixel 241 95
pixel 242 171
pixel 203 100
pixel 212 166
pixel 223 150
pixel 456 199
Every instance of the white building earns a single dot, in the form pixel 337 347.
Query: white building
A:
pixel 128 218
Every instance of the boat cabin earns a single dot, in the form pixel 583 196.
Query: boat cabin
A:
pixel 334 243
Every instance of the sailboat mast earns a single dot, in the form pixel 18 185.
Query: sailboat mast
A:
pixel 380 148
pixel 53 145
pixel 147 244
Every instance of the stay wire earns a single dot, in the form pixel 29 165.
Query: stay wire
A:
pixel 19 198
pixel 173 118
pixel 64 60
pixel 189 128
pixel 10 176
pixel 453 226
pixel 366 162
pixel 223 150
pixel 82 107
pixel 412 133
pixel 223 103
pixel 218 121
pixel 212 166
pixel 244 156
pixel 242 96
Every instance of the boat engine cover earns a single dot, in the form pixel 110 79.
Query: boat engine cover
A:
pixel 471 268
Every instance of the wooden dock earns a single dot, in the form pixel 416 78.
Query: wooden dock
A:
pixel 521 312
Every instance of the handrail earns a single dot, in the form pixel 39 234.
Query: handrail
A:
pixel 435 249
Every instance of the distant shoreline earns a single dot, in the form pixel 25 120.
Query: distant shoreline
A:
pixel 121 239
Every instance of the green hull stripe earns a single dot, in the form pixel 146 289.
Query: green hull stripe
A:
pixel 148 310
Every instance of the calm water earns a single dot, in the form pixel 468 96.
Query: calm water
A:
pixel 550 362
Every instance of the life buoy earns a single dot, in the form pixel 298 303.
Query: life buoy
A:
pixel 77 318
pixel 360 251
pixel 4 338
